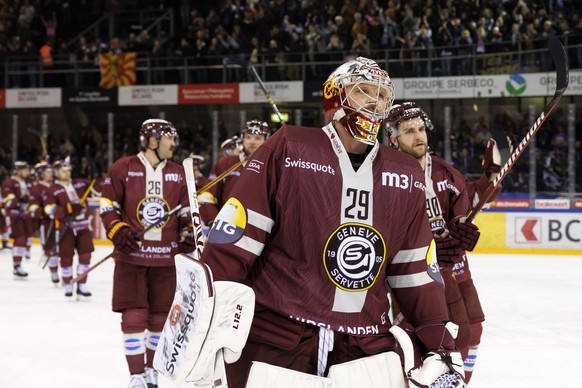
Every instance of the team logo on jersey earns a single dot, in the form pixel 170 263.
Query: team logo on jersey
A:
pixel 150 211
pixel 353 256
pixel 229 224
pixel 432 264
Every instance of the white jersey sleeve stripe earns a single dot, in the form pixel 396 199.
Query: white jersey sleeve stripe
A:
pixel 410 255
pixel 250 245
pixel 405 281
pixel 260 221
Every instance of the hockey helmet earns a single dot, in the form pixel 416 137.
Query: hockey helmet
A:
pixel 156 128
pixel 256 127
pixel 41 168
pixel 361 119
pixel 403 112
pixel 62 164
pixel 21 165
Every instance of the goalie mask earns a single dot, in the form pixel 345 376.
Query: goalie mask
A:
pixel 156 128
pixel 358 94
pixel 404 112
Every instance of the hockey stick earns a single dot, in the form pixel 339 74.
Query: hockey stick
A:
pixel 188 165
pixel 243 63
pixel 267 94
pixel 218 178
pixel 137 237
pixel 562 78
pixel 42 142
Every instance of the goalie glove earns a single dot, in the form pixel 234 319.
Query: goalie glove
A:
pixel 439 370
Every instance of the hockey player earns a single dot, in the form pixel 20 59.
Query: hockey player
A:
pixel 254 134
pixel 4 226
pixel 447 199
pixel 38 192
pixel 63 203
pixel 199 164
pixel 16 195
pixel 139 191
pixel 306 227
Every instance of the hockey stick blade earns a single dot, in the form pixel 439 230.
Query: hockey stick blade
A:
pixel 562 78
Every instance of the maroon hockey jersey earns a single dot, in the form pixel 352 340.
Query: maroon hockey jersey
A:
pixel 319 242
pixel 58 198
pixel 16 195
pixel 140 195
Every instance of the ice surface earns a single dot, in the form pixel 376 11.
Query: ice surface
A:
pixel 532 335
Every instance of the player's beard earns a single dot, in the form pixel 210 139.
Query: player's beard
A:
pixel 416 150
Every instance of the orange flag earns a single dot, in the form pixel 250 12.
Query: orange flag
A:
pixel 117 69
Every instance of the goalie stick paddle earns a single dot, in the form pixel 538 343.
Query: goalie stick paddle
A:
pixel 137 237
pixel 188 165
pixel 562 77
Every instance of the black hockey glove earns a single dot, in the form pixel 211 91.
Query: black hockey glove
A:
pixel 466 233
pixel 492 159
pixel 75 209
pixel 187 245
pixel 122 237
pixel 448 250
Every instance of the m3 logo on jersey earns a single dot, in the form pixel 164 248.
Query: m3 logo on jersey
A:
pixel 229 224
pixel 151 210
pixel 401 181
pixel 353 256
pixel 174 177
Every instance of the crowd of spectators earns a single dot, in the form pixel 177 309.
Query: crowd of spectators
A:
pixel 280 33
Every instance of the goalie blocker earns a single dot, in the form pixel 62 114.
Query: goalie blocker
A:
pixel 209 321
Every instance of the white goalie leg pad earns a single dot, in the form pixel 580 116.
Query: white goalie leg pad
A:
pixel 263 375
pixel 188 321
pixel 234 306
pixel 382 370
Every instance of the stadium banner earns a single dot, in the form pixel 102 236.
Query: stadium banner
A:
pixel 208 94
pixel 530 232
pixel 549 230
pixel 485 86
pixel 90 96
pixel 148 95
pixel 290 91
pixel 117 70
pixel 33 98
pixel 511 204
